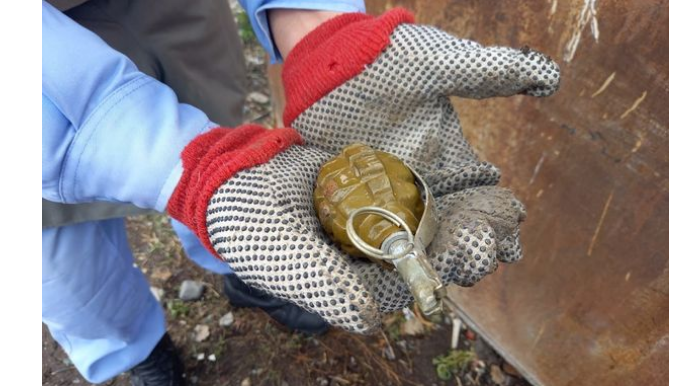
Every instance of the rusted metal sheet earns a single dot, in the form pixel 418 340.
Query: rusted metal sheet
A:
pixel 588 304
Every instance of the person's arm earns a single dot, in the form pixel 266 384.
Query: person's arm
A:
pixel 280 24
pixel 110 132
pixel 289 26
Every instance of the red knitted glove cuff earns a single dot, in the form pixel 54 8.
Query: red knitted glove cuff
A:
pixel 213 158
pixel 333 53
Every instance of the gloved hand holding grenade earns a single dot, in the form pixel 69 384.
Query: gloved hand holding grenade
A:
pixel 384 82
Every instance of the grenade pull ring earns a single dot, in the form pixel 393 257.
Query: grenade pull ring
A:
pixel 370 251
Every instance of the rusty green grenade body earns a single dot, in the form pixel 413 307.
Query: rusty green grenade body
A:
pixel 360 177
pixel 371 203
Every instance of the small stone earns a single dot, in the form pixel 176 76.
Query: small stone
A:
pixel 200 356
pixel 478 367
pixel 353 366
pixel 161 273
pixel 255 60
pixel 321 381
pixel 246 382
pixel 191 290
pixel 284 383
pixel 497 375
pixel 227 320
pixel 158 293
pixel 194 379
pixel 212 357
pixel 259 98
pixel 201 332
pixel 388 353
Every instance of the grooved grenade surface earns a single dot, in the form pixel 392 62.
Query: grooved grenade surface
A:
pixel 361 176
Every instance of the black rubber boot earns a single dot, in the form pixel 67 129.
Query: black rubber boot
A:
pixel 291 316
pixel 162 367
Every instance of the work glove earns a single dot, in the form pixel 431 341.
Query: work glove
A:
pixel 247 192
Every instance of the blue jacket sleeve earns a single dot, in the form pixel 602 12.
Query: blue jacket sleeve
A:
pixel 110 132
pixel 256 10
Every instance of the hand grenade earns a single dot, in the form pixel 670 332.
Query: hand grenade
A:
pixel 372 204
